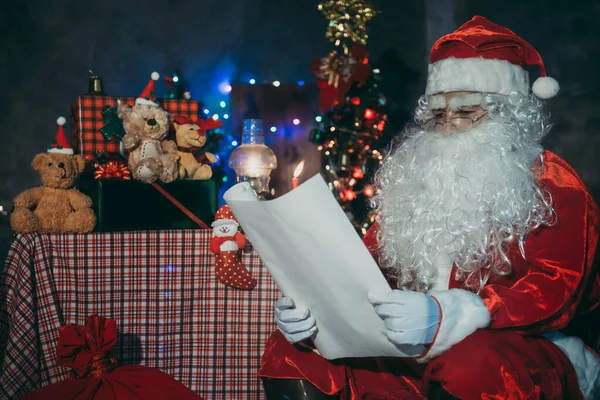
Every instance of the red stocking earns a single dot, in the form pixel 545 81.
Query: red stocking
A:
pixel 231 272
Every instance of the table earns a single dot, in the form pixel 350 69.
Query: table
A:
pixel 171 311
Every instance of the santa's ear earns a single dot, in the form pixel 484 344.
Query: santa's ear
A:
pixel 78 163
pixel 39 161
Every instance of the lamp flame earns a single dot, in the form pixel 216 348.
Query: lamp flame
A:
pixel 299 169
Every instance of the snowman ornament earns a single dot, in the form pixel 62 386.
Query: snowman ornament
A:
pixel 225 243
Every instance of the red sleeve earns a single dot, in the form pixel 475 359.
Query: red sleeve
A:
pixel 558 260
pixel 215 245
pixel 240 240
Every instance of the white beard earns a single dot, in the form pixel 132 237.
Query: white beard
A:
pixel 459 198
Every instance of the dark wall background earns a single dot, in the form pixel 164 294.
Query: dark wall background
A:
pixel 48 46
pixel 567 35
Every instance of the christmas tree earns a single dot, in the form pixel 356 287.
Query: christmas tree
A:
pixel 351 132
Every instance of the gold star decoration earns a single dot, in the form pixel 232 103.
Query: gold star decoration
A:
pixel 347 20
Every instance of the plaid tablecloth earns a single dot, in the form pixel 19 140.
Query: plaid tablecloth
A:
pixel 159 286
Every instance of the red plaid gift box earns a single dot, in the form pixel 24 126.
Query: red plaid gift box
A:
pixel 86 120
pixel 160 288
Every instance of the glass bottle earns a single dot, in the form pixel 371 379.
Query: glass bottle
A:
pixel 253 161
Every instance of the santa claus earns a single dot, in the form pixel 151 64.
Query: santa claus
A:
pixel 488 239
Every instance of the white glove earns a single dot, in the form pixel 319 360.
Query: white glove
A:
pixel 409 317
pixel 296 324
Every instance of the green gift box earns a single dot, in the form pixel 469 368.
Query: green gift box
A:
pixel 129 205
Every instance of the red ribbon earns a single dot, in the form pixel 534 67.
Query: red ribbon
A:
pixel 176 202
pixel 112 170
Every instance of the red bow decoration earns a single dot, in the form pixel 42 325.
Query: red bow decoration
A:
pixel 85 348
pixel 112 170
pixel 335 74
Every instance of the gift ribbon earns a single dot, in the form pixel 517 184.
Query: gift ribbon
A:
pixel 180 206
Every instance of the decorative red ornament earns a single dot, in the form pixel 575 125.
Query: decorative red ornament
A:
pixel 358 173
pixel 112 170
pixel 355 101
pixel 369 114
pixel 369 191
pixel 224 244
pixel 381 125
pixel 336 72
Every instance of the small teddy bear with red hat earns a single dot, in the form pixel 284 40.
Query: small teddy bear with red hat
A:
pixel 151 156
pixel 56 206
pixel 225 243
pixel 190 136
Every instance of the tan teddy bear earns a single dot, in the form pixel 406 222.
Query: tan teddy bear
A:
pixel 191 137
pixel 55 206
pixel 146 125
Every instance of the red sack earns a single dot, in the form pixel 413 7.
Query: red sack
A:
pixel 95 375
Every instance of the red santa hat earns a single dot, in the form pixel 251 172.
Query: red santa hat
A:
pixel 148 95
pixel 481 56
pixel 224 216
pixel 60 143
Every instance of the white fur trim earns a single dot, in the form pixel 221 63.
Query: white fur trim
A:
pixel 585 362
pixel 443 264
pixel 471 99
pixel 462 312
pixel 61 151
pixel 145 102
pixel 476 75
pixel 155 76
pixel 436 102
pixel 61 120
pixel 220 222
pixel 545 87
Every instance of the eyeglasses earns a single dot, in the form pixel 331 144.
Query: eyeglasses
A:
pixel 459 122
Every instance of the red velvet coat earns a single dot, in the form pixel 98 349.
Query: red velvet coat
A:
pixel 545 291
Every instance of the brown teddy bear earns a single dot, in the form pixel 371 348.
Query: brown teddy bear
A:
pixel 146 126
pixel 55 207
pixel 191 137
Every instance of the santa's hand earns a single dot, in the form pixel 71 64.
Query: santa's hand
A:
pixel 409 317
pixel 296 324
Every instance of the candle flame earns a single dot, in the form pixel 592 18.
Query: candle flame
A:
pixel 298 169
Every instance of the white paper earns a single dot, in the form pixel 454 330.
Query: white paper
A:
pixel 316 257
